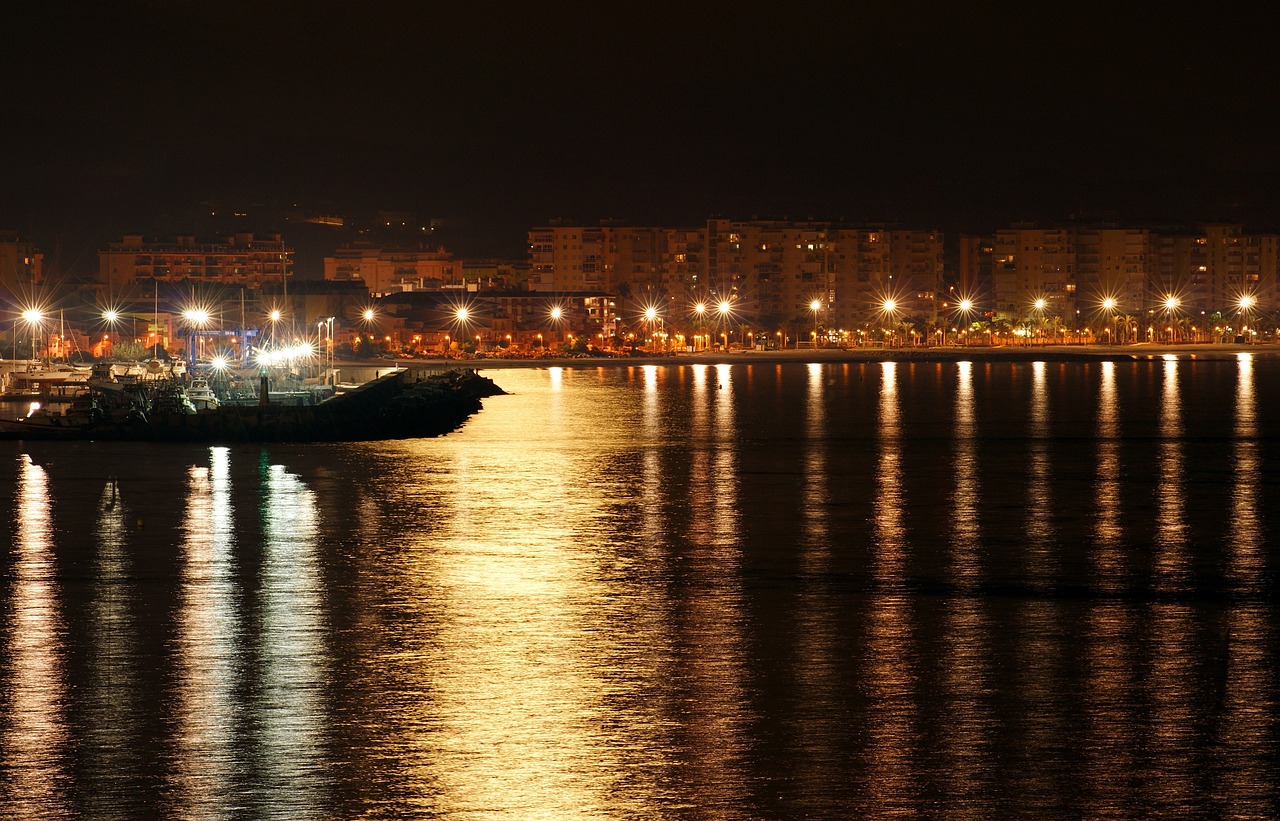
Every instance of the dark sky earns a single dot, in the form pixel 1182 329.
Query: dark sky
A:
pixel 966 118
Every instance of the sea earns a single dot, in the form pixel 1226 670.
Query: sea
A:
pixel 765 590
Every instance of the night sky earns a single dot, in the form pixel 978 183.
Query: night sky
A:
pixel 964 119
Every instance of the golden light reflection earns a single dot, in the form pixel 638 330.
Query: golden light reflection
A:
pixel 1042 556
pixel 892 720
pixel 817 659
pixel 526 644
pixel 713 623
pixel 1246 559
pixel 114 690
pixel 889 502
pixel 1111 729
pixel 208 644
pixel 289 714
pixel 813 511
pixel 1172 779
pixel 1043 671
pixel 699 409
pixel 1108 528
pixel 968 735
pixel 1247 733
pixel 966 536
pixel 34 738
pixel 1171 559
pixel 652 411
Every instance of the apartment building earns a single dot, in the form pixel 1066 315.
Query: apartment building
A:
pixel 1077 270
pixel 772 271
pixel 21 265
pixel 566 258
pixel 240 259
pixel 387 270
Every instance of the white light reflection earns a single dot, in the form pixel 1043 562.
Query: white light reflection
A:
pixel 966 536
pixel 1108 530
pixel 1171 559
pixel 289 713
pixel 208 643
pixel 34 738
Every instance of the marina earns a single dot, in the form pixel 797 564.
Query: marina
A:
pixel 162 404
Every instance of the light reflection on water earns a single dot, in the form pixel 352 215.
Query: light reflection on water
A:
pixel 668 591
pixel 34 736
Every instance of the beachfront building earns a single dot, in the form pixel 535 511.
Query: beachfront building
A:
pixel 1134 282
pixel 244 259
pixel 385 270
pixel 799 277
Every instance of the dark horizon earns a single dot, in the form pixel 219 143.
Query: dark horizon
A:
pixel 126 114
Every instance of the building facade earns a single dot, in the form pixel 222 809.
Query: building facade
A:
pixel 21 265
pixel 387 270
pixel 241 259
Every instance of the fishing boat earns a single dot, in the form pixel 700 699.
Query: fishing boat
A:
pixel 201 395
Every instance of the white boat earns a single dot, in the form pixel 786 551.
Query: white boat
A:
pixel 201 395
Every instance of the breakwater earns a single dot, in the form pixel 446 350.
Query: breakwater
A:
pixel 404 404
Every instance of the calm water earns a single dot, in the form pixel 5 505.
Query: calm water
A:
pixel 769 591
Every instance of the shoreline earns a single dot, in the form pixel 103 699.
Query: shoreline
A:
pixel 1043 353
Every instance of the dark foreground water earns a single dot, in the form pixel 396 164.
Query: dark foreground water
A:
pixel 955 590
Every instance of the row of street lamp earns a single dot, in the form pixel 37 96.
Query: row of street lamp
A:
pixel 721 312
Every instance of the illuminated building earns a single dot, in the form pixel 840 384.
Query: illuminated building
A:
pixel 240 259
pixel 387 270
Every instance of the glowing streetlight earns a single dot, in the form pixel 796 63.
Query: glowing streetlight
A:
pixel 34 317
pixel 1109 305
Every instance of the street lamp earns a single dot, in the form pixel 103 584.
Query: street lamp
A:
pixel 815 306
pixel 1246 303
pixel 1109 305
pixel 889 309
pixel 1170 305
pixel 33 317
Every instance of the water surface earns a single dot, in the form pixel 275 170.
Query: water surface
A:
pixel 971 589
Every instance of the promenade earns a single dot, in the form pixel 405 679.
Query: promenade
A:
pixel 1001 353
